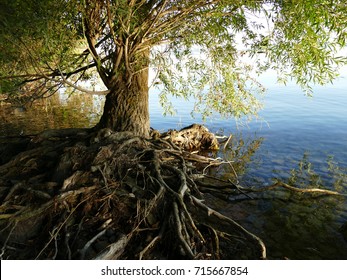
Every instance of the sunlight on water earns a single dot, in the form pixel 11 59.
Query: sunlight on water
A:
pixel 58 111
pixel 300 140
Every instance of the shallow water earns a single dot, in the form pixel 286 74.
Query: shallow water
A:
pixel 300 140
pixel 58 111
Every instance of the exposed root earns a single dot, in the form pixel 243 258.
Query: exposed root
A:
pixel 110 195
pixel 224 225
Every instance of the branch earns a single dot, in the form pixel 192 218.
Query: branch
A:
pixel 63 80
pixel 109 17
pixel 158 15
pixel 102 92
pixel 289 187
pixel 91 46
pixel 175 17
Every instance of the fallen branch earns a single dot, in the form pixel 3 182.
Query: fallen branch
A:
pixel 295 189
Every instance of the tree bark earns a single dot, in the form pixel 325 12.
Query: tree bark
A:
pixel 126 106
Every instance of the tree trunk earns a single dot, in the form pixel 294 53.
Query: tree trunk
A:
pixel 126 106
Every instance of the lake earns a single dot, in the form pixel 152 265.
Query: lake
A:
pixel 297 139
pixel 300 140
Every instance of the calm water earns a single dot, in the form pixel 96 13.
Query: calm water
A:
pixel 299 140
pixel 292 126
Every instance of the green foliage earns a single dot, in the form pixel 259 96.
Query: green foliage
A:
pixel 304 40
pixel 36 39
pixel 215 55
pixel 209 50
pixel 203 62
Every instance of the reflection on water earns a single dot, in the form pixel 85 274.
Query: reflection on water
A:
pixel 293 225
pixel 302 146
pixel 58 111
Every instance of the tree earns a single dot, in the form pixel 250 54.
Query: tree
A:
pixel 146 193
pixel 195 48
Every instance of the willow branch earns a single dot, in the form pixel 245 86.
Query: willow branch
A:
pixel 99 92
pixel 155 20
pixel 110 25
pixel 94 53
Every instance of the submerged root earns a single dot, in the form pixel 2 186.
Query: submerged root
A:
pixel 110 195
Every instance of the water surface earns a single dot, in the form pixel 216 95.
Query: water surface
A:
pixel 300 140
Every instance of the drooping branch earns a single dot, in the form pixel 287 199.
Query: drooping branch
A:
pixel 75 86
pixel 165 21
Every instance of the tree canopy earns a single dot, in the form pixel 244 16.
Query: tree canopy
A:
pixel 114 192
pixel 210 50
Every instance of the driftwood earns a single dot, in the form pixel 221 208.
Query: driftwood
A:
pixel 194 137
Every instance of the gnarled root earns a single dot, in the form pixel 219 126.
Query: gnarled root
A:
pixel 114 196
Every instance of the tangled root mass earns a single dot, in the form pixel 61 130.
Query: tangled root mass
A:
pixel 78 194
